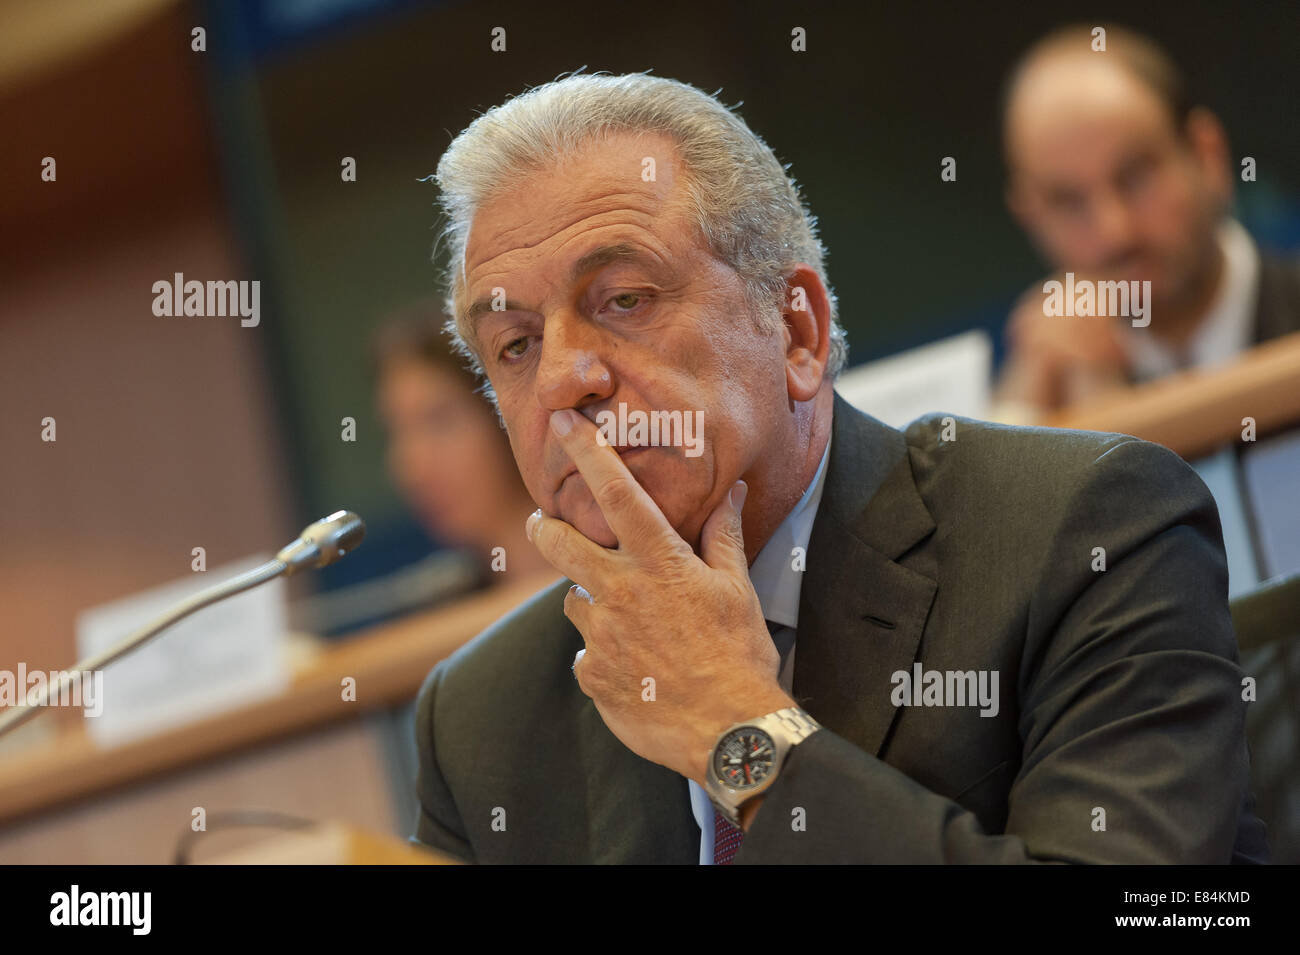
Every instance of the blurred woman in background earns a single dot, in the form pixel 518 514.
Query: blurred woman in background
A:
pixel 447 452
pixel 451 462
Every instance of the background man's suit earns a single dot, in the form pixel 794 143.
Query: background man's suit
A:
pixel 1119 689
pixel 1277 306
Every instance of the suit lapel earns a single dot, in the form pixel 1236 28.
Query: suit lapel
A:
pixel 637 811
pixel 861 613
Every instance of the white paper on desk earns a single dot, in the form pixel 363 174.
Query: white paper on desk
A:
pixel 221 657
pixel 951 375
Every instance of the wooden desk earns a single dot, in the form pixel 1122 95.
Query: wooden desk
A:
pixel 388 663
pixel 1196 412
pixel 331 843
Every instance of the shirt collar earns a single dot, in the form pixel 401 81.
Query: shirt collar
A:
pixel 1225 331
pixel 775 580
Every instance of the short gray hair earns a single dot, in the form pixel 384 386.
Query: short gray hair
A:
pixel 747 208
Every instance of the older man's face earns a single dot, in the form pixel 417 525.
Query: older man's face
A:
pixel 612 298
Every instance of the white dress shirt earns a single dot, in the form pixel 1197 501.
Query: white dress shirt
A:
pixel 777 584
pixel 1227 328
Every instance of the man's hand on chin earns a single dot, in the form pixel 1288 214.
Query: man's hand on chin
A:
pixel 677 649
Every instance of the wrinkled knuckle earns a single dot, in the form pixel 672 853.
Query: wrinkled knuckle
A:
pixel 616 492
pixel 617 595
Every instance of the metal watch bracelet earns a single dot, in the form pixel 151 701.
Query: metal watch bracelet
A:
pixel 787 727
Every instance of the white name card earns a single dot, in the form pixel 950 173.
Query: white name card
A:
pixel 951 375
pixel 219 658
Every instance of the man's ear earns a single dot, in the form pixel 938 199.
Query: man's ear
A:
pixel 807 316
pixel 1209 144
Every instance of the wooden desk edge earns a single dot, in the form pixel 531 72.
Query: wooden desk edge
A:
pixel 1197 412
pixel 389 662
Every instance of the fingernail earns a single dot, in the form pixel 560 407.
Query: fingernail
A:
pixel 561 421
pixel 739 491
pixel 533 518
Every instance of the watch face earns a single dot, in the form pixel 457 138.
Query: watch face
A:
pixel 745 758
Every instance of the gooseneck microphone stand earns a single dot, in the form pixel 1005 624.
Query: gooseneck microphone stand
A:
pixel 323 543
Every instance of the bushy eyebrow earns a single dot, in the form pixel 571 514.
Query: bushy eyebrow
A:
pixel 596 259
pixel 603 256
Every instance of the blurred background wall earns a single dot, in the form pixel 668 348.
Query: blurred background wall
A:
pixel 164 440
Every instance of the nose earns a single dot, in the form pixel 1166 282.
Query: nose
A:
pixel 1115 226
pixel 571 372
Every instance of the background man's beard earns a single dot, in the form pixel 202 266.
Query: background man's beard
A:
pixel 1193 285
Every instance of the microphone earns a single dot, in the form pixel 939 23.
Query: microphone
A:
pixel 324 542
pixel 319 545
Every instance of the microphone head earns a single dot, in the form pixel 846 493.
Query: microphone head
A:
pixel 336 535
pixel 324 542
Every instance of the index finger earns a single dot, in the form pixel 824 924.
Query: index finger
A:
pixel 629 510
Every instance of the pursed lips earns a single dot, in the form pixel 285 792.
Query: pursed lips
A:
pixel 623 452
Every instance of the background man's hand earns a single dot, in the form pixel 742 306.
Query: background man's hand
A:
pixel 1057 360
pixel 652 610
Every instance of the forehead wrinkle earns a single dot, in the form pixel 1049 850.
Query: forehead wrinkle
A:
pixel 633 248
pixel 582 214
pixel 644 240
pixel 674 204
pixel 637 242
pixel 500 271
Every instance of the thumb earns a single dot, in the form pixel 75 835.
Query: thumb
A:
pixel 722 541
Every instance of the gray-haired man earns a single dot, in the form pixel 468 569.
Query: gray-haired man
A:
pixel 722 674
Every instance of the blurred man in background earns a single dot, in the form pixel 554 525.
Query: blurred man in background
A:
pixel 1115 176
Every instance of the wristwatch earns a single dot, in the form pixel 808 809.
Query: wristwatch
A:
pixel 747 757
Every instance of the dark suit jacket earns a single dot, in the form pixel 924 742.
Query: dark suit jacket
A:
pixel 1277 307
pixel 1119 690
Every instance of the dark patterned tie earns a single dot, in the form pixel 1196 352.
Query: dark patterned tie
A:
pixel 726 837
pixel 726 840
